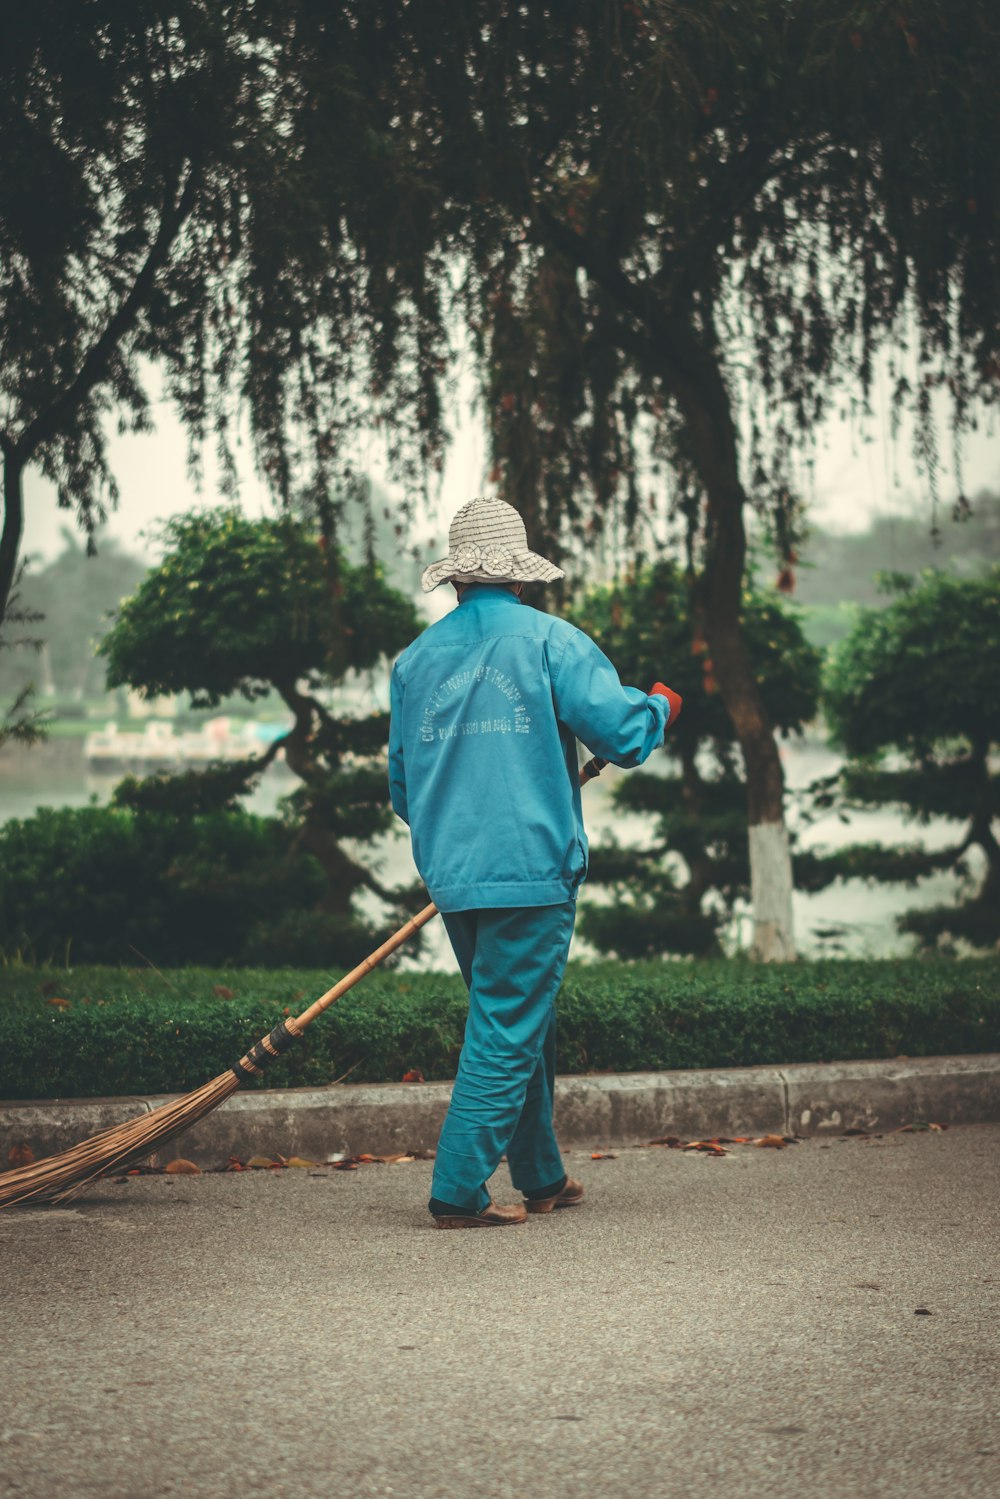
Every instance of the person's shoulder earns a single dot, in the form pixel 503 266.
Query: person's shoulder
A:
pixel 435 634
pixel 559 635
pixel 552 627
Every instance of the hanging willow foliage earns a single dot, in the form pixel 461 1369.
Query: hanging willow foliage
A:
pixel 293 206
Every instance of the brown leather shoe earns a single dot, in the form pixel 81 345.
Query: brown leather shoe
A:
pixel 492 1216
pixel 571 1194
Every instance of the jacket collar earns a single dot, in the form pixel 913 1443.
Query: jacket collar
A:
pixel 477 593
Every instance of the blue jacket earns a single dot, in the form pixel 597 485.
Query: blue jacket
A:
pixel 487 705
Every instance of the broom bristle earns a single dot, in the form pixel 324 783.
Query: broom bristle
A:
pixel 59 1177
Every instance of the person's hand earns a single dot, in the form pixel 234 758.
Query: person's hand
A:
pixel 673 698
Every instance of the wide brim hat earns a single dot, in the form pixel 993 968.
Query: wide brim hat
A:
pixel 487 543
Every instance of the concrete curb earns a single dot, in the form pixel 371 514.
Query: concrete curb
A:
pixel 609 1109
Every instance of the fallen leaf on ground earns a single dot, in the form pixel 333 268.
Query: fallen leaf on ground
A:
pixel 262 1162
pixel 413 1076
pixel 672 1142
pixel 707 1147
pixel 603 1155
pixel 181 1167
pixel 297 1160
pixel 428 1155
pixel 771 1142
pixel 221 992
pixel 918 1127
pixel 60 1004
pixel 234 1164
pixel 20 1154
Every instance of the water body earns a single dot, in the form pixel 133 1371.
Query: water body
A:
pixel 55 775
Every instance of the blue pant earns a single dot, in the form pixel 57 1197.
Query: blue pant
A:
pixel 512 961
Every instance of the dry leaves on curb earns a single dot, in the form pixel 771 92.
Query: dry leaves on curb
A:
pixel 918 1127
pixel 333 1163
pixel 181 1167
pixel 603 1155
pixel 716 1146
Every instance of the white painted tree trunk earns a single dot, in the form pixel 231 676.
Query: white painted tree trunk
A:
pixel 771 893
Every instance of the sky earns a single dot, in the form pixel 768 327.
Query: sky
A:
pixel 858 474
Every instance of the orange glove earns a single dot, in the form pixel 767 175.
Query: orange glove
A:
pixel 673 698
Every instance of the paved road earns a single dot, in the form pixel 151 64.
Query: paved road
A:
pixel 741 1327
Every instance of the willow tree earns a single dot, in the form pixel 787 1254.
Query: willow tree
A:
pixel 665 226
pixel 677 233
pixel 158 216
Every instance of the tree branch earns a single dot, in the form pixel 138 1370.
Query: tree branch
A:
pixel 737 185
pixel 13 525
pixel 94 367
pixel 676 359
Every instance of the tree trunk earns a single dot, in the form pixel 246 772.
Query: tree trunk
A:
pixel 682 356
pixel 342 874
pixel 714 448
pixel 13 526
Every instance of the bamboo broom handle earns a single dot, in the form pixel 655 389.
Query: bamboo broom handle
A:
pixel 590 770
pixel 372 961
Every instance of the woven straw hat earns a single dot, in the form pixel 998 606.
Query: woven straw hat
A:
pixel 487 543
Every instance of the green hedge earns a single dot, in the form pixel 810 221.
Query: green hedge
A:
pixel 136 1031
pixel 103 885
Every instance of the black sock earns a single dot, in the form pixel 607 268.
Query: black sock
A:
pixel 449 1210
pixel 551 1191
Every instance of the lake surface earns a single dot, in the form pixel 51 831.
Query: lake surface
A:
pixel 55 775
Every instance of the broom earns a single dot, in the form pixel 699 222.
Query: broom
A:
pixel 61 1176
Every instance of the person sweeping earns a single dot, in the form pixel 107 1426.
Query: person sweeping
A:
pixel 486 708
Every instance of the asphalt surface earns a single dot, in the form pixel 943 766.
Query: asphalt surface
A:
pixel 700 1327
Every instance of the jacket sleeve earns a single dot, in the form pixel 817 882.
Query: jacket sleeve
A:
pixel 621 724
pixel 397 768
